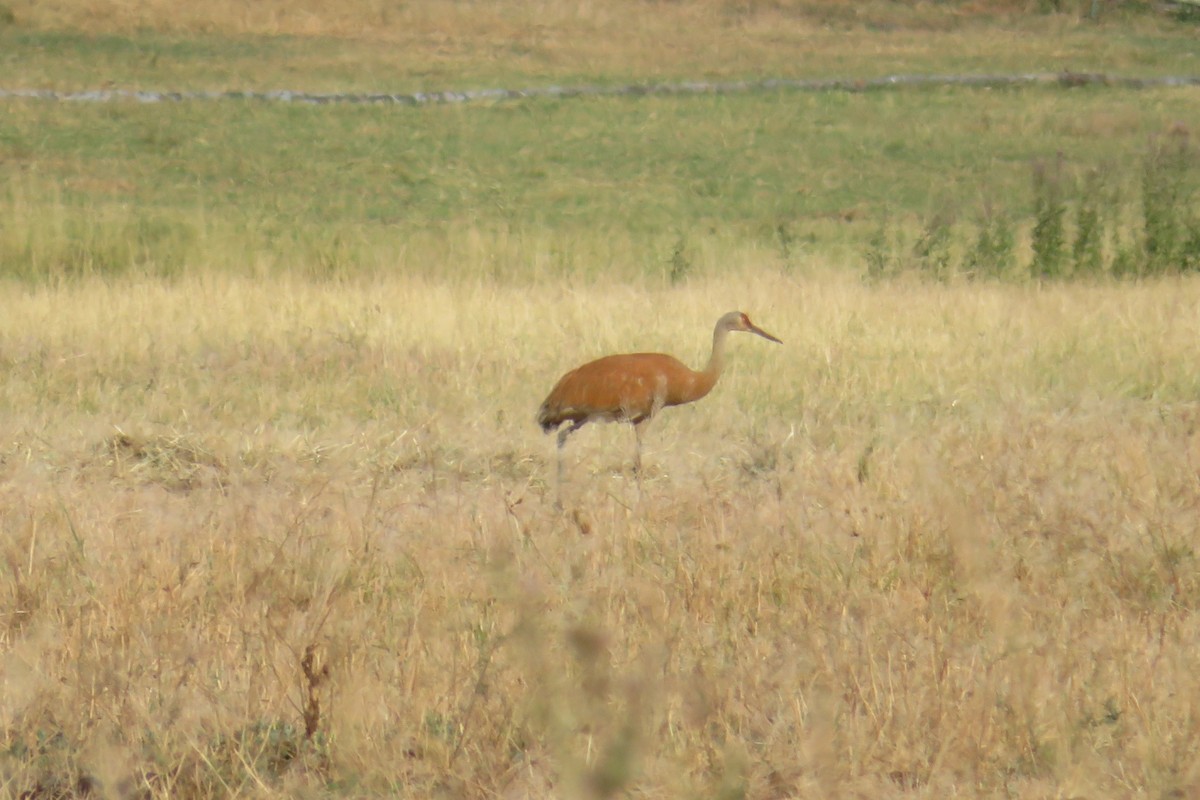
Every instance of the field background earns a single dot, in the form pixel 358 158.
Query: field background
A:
pixel 277 521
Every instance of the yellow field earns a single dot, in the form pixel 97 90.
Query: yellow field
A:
pixel 941 543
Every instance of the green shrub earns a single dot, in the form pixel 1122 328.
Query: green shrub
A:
pixel 1049 228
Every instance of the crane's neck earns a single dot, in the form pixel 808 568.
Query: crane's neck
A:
pixel 716 361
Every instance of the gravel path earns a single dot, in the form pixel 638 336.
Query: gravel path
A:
pixel 1061 79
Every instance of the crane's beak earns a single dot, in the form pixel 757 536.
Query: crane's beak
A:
pixel 755 329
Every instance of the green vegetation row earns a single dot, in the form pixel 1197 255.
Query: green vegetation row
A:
pixel 1083 223
pixel 633 188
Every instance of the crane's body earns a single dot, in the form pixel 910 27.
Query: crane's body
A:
pixel 624 388
pixel 634 387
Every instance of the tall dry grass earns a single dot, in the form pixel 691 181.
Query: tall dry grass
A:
pixel 288 539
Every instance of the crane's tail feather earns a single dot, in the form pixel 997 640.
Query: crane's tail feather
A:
pixel 546 420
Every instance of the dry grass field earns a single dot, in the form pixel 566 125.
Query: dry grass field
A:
pixel 299 539
pixel 275 517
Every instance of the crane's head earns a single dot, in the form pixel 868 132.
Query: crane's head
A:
pixel 737 321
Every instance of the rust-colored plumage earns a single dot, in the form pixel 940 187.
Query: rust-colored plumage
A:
pixel 634 387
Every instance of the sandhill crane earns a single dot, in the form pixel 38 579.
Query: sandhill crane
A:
pixel 633 388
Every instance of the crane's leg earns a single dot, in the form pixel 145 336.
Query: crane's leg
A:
pixel 638 428
pixel 562 441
